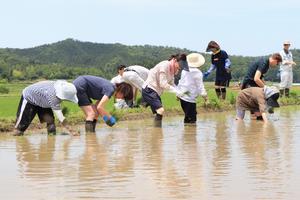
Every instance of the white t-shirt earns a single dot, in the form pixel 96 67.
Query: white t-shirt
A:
pixel 117 80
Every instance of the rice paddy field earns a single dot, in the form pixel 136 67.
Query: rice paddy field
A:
pixel 10 95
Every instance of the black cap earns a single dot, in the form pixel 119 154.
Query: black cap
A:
pixel 272 100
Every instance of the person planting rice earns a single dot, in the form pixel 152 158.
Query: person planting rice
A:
pixel 43 98
pixel 160 78
pixel 97 88
pixel 258 69
pixel 134 75
pixel 192 82
pixel 256 72
pixel 259 100
pixel 123 95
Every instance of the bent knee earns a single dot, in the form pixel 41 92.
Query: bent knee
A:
pixel 160 111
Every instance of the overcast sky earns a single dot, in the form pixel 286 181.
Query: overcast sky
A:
pixel 249 28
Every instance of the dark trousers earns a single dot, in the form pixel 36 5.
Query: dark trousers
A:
pixel 190 111
pixel 26 114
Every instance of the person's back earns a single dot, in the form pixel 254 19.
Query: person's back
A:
pixel 251 99
pixel 95 87
pixel 42 94
pixel 262 65
pixel 159 77
pixel 192 82
pixel 142 71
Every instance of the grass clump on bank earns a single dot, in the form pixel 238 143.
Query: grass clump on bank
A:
pixel 9 104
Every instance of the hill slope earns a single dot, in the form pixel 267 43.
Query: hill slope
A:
pixel 70 58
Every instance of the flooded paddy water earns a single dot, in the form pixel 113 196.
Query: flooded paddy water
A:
pixel 219 158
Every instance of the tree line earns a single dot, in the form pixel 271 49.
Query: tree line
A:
pixel 70 58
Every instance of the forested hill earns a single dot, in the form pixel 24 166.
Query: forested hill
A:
pixel 70 58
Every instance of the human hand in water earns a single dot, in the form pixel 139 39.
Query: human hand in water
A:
pixel 110 121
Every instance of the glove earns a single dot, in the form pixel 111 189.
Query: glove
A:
pixel 109 121
pixel 205 75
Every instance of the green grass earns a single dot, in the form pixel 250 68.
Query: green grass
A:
pixel 9 102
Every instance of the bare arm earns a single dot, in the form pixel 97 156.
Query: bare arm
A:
pixel 101 105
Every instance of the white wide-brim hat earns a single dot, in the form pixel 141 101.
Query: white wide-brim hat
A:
pixel 65 91
pixel 195 60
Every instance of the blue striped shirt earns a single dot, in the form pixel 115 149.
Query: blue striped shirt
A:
pixel 42 94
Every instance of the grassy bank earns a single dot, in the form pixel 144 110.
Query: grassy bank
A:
pixel 9 103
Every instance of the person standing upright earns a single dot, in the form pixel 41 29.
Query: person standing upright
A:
pixel 192 81
pixel 219 61
pixel 286 69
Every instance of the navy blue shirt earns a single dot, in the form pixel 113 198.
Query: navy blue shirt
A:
pixel 218 60
pixel 95 87
pixel 261 65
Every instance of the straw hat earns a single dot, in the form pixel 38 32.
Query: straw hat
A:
pixel 65 91
pixel 287 42
pixel 195 60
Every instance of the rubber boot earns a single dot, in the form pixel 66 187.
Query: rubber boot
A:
pixel 89 127
pixel 287 92
pixel 18 133
pixel 94 125
pixel 51 129
pixel 259 118
pixel 218 93
pixel 281 92
pixel 223 95
pixel 158 120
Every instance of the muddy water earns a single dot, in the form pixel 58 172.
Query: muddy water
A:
pixel 217 159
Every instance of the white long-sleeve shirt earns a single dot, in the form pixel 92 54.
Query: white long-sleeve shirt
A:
pixel 193 83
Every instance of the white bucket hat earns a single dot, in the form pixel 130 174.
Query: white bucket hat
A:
pixel 65 91
pixel 195 60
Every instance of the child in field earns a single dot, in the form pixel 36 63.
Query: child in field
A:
pixel 191 81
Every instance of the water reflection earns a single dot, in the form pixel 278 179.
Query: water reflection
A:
pixel 261 148
pixel 218 158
